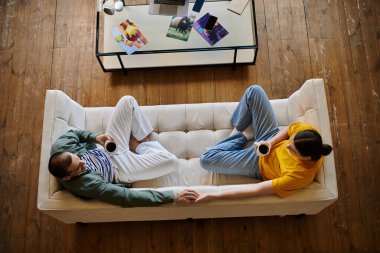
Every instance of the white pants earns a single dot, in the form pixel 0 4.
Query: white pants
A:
pixel 151 159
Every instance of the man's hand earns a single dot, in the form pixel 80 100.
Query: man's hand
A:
pixel 101 139
pixel 186 197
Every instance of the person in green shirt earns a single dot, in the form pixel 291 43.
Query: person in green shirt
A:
pixel 83 167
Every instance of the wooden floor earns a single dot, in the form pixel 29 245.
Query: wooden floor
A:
pixel 49 44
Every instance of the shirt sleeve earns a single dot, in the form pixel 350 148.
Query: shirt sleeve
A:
pixel 279 185
pixel 75 141
pixel 93 186
pixel 85 136
pixel 290 183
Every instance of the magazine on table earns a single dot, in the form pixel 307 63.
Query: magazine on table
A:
pixel 129 36
pixel 180 27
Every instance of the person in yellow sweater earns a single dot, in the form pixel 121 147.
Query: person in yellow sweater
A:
pixel 295 153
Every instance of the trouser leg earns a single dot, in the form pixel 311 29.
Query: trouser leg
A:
pixel 151 161
pixel 228 157
pixel 127 119
pixel 254 110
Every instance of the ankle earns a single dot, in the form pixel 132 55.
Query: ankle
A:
pixel 248 133
pixel 234 131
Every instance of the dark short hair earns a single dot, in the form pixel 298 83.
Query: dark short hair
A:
pixel 59 163
pixel 309 143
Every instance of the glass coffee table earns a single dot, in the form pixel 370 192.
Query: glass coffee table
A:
pixel 238 47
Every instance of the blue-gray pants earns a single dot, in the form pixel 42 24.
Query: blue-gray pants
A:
pixel 228 157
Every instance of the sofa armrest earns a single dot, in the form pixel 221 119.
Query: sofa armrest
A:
pixel 61 113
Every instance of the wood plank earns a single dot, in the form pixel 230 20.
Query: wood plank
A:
pixel 329 24
pixel 367 14
pixel 7 191
pixel 167 81
pixel 18 27
pixel 245 233
pixel 198 76
pixel 180 88
pixel 184 237
pixel 47 240
pixel 312 16
pixel 230 84
pixel 231 240
pixel 153 88
pixel 14 153
pixel 169 232
pixel 262 73
pixel 5 78
pixel 368 127
pixel 208 236
pixel 295 46
pixel 276 58
pixel 155 237
pixel 64 72
pixel 323 63
pixel 96 90
pixel 269 226
pixel 8 11
pixel 40 80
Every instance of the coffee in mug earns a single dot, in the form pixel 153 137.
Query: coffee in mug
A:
pixel 262 150
pixel 110 146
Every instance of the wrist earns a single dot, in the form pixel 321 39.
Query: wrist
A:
pixel 95 137
pixel 175 198
pixel 271 142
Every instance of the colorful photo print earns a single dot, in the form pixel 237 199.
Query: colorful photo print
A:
pixel 211 36
pixel 180 27
pixel 129 37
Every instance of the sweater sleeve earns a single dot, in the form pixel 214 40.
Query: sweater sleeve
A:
pixel 93 186
pixel 75 141
pixel 85 136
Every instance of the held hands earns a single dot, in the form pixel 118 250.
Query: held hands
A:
pixel 192 197
pixel 186 197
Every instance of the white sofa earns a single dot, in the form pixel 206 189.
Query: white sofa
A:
pixel 186 130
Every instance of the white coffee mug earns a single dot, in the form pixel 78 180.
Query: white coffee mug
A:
pixel 262 149
pixel 110 146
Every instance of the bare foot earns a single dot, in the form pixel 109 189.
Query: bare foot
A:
pixel 145 139
pixel 133 143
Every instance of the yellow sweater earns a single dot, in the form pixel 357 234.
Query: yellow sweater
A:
pixel 288 172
